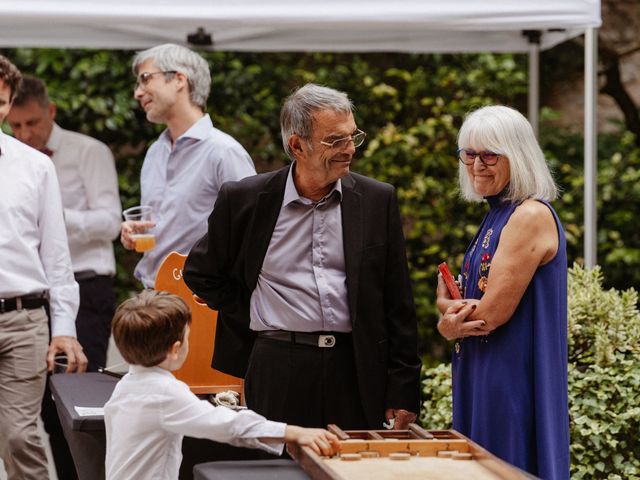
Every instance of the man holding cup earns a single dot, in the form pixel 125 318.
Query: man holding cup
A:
pixel 184 169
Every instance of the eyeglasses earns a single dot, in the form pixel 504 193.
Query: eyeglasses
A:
pixel 468 157
pixel 342 143
pixel 144 77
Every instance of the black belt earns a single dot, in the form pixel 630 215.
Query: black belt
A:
pixel 85 275
pixel 320 339
pixel 28 302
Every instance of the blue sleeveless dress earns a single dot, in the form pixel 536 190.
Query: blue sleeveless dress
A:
pixel 510 387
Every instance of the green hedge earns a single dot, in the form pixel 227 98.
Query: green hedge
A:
pixel 604 380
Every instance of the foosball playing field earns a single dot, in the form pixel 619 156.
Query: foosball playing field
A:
pixel 408 454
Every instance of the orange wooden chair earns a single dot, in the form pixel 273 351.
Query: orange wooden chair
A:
pixel 196 371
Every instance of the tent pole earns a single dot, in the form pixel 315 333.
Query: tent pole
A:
pixel 534 82
pixel 590 146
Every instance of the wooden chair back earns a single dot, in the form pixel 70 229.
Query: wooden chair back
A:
pixel 196 371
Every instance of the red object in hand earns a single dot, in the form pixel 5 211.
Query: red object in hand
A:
pixel 449 281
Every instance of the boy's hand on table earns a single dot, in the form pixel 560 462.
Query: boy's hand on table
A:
pixel 321 441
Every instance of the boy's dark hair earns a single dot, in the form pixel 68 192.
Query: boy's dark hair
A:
pixel 10 75
pixel 31 88
pixel 145 326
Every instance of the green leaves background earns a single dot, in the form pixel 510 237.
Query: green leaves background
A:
pixel 410 106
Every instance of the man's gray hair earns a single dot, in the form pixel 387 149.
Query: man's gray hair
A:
pixel 171 57
pixel 506 131
pixel 296 116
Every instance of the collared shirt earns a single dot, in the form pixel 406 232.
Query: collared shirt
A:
pixel 302 285
pixel 150 411
pixel 34 253
pixel 89 186
pixel 181 183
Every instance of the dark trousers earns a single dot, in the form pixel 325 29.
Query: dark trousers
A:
pixel 304 385
pixel 93 328
pixel 93 324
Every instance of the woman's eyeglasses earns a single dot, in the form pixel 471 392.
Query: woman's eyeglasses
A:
pixel 468 156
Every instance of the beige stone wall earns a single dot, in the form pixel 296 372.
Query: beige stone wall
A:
pixel 620 33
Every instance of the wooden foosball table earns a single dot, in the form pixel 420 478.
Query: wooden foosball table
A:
pixel 405 454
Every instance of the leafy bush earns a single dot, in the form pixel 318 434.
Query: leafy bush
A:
pixel 604 325
pixel 605 420
pixel 604 380
pixel 437 408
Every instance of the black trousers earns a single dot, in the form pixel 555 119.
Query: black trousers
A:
pixel 304 385
pixel 93 328
pixel 93 324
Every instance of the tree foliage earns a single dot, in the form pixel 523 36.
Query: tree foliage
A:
pixel 410 106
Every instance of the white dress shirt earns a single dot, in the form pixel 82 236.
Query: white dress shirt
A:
pixel 181 183
pixel 150 411
pixel 34 253
pixel 89 187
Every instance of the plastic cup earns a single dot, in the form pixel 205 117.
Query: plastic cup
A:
pixel 146 239
pixel 60 363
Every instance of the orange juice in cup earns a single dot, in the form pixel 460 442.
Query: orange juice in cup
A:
pixel 144 241
pixel 141 219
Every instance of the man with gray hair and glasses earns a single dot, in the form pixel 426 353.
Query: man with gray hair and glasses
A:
pixel 184 169
pixel 307 268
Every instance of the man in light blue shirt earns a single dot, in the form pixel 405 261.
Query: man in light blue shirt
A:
pixel 185 168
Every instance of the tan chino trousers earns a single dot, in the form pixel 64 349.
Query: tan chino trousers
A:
pixel 24 336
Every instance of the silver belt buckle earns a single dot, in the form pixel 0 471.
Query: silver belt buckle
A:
pixel 326 341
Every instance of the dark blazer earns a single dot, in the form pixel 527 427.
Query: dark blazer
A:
pixel 223 269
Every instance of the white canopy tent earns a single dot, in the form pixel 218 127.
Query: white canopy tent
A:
pixel 285 25
pixel 327 25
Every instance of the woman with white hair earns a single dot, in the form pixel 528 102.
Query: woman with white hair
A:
pixel 510 354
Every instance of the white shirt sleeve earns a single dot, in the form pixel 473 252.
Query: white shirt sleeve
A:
pixel 185 414
pixel 64 296
pixel 100 181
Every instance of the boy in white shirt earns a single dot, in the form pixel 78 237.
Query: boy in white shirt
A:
pixel 150 410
